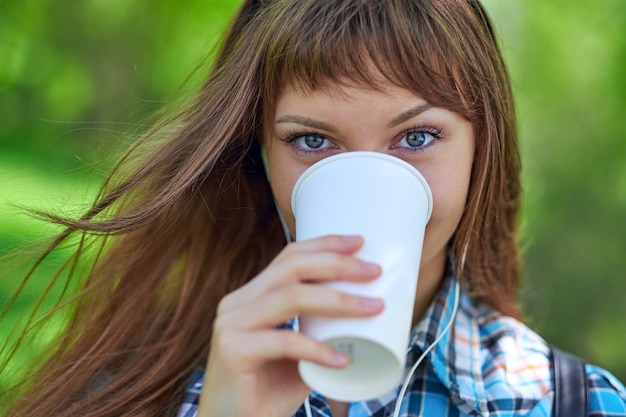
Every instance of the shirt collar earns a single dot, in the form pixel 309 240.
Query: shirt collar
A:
pixel 456 357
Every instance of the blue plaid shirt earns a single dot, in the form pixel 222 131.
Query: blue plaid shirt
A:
pixel 486 365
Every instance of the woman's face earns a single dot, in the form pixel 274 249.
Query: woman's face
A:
pixel 307 127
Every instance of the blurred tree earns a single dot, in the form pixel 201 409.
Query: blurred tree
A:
pixel 71 73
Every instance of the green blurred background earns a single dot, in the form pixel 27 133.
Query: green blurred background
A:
pixel 79 80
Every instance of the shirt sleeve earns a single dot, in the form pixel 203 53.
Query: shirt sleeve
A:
pixel 607 395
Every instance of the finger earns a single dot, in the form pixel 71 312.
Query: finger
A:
pixel 346 244
pixel 302 267
pixel 320 266
pixel 301 299
pixel 250 350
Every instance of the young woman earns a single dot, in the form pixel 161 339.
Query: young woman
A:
pixel 191 277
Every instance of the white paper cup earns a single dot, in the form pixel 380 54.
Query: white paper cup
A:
pixel 388 202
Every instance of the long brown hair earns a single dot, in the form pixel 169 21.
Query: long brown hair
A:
pixel 188 214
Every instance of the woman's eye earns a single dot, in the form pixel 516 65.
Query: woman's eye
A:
pixel 417 138
pixel 311 141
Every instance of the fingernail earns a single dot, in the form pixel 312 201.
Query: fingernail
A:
pixel 350 238
pixel 369 266
pixel 371 303
pixel 340 359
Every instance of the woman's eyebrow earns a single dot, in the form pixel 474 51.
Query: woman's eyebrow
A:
pixel 408 115
pixel 316 124
pixel 305 121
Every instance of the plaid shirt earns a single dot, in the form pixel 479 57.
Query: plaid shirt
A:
pixel 486 365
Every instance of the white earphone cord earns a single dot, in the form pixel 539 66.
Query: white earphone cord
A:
pixel 407 380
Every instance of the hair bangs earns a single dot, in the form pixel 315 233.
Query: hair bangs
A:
pixel 364 43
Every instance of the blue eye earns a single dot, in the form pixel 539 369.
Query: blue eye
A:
pixel 415 139
pixel 419 138
pixel 311 141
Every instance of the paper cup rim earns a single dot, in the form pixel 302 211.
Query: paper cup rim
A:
pixel 362 154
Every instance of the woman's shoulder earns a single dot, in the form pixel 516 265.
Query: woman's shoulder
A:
pixel 514 365
pixel 515 357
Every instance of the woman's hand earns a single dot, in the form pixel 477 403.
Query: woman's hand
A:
pixel 252 366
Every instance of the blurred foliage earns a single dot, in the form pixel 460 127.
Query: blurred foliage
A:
pixel 78 81
pixel 568 65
